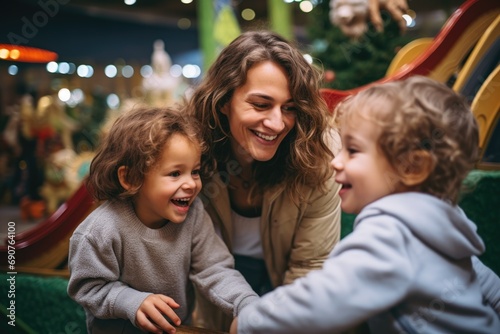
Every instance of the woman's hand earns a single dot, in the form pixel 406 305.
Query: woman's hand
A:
pixel 150 315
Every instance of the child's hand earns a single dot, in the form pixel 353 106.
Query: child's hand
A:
pixel 150 317
pixel 234 326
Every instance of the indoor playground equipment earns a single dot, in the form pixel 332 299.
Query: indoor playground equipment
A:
pixel 467 42
pixel 464 54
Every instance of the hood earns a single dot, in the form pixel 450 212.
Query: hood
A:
pixel 437 223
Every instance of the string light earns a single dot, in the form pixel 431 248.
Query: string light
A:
pixel 26 54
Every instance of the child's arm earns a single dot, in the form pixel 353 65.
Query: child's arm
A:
pixel 212 270
pixel 95 284
pixel 368 272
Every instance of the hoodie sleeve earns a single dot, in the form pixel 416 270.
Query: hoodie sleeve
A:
pixel 490 284
pixel 94 280
pixel 212 269
pixel 371 264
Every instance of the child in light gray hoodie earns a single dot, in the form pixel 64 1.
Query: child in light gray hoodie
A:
pixel 134 260
pixel 410 264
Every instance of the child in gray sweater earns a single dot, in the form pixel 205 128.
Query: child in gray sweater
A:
pixel 134 259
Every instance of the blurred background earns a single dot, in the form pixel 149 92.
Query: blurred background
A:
pixel 69 67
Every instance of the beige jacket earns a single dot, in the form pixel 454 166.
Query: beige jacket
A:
pixel 295 240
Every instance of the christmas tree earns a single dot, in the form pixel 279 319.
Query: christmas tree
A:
pixel 354 62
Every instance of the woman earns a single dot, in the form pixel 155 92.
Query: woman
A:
pixel 267 178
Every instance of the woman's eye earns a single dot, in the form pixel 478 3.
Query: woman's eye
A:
pixel 261 106
pixel 289 109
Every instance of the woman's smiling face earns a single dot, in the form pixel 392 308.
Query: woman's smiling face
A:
pixel 261 113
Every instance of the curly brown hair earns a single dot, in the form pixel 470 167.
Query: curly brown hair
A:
pixel 421 114
pixel 136 140
pixel 304 156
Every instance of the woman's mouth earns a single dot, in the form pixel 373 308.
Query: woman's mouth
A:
pixel 265 137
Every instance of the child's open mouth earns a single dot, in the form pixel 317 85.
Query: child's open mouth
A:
pixel 345 187
pixel 181 202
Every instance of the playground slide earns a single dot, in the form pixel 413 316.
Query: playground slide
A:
pixel 447 51
pixel 486 109
pixel 481 62
pixel 45 246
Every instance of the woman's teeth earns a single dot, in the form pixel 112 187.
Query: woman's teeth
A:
pixel 268 138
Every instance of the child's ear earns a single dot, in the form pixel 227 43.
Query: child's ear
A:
pixel 122 177
pixel 420 165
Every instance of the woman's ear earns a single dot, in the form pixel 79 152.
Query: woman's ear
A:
pixel 225 108
pixel 122 177
pixel 418 168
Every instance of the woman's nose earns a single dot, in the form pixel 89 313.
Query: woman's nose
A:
pixel 274 120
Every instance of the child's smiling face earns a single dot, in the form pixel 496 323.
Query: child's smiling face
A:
pixel 170 186
pixel 361 168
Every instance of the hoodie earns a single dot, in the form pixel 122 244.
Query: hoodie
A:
pixel 409 266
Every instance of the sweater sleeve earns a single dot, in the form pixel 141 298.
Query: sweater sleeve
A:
pixel 94 280
pixel 490 284
pixel 316 235
pixel 367 272
pixel 212 269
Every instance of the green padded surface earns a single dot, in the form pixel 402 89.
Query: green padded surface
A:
pixel 42 306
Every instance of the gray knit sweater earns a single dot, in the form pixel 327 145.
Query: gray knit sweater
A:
pixel 115 262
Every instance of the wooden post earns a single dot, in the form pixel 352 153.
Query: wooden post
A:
pixel 280 17
pixel 205 31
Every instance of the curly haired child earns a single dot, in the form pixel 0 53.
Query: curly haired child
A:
pixel 410 264
pixel 134 260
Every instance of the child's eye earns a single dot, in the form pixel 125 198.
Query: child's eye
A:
pixel 352 150
pixel 196 172
pixel 175 174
